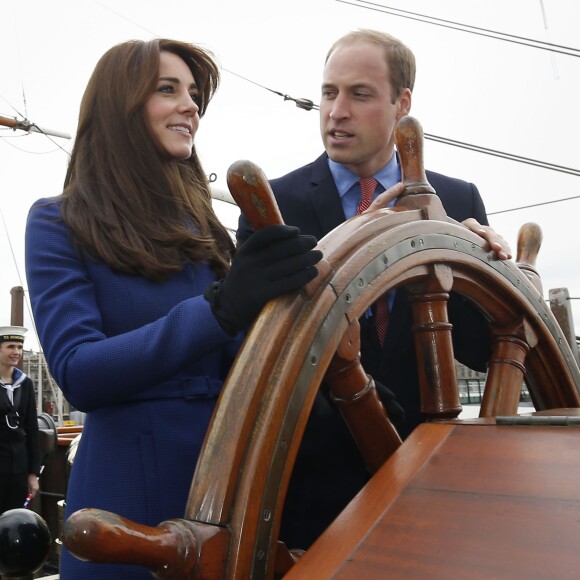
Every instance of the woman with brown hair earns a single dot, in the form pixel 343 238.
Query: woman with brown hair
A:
pixel 138 294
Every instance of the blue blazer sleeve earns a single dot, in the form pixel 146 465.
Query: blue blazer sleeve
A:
pixel 93 365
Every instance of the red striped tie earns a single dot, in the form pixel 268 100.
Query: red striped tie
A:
pixel 367 188
pixel 382 316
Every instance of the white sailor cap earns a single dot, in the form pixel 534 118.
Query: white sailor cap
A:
pixel 12 333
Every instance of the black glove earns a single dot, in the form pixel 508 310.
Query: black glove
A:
pixel 395 411
pixel 274 261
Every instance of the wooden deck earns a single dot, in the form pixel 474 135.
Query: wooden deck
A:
pixel 462 501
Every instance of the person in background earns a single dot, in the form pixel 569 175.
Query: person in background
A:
pixel 19 448
pixel 140 299
pixel 367 86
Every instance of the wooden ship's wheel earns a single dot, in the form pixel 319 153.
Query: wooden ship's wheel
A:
pixel 230 526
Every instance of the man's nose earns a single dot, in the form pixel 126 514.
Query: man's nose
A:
pixel 339 109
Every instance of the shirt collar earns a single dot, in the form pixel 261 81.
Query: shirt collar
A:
pixel 344 178
pixel 17 377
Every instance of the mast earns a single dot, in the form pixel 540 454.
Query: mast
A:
pixel 56 396
pixel 26 125
pixel 17 311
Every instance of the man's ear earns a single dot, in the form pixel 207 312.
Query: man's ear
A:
pixel 404 103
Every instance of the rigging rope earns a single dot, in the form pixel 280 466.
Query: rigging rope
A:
pixel 532 43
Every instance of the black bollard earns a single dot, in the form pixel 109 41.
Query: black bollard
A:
pixel 24 542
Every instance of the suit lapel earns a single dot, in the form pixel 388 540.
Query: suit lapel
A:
pixel 324 196
pixel 328 209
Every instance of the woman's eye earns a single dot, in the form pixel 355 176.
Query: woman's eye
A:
pixel 165 89
pixel 196 98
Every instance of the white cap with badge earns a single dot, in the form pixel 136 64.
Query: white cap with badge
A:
pixel 12 333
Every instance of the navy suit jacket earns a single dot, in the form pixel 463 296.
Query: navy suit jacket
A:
pixel 329 471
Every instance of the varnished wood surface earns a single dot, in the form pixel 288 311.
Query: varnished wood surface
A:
pixel 529 243
pixel 462 501
pixel 354 393
pixel 248 454
pixel 561 308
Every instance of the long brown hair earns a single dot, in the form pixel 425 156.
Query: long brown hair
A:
pixel 124 202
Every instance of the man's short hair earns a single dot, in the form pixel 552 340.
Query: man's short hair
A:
pixel 400 59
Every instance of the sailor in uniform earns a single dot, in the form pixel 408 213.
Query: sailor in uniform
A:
pixel 19 450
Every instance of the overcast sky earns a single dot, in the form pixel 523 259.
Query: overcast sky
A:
pixel 470 88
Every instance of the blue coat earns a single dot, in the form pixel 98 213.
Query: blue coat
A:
pixel 329 470
pixel 145 360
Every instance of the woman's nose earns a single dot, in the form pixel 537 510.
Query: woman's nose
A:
pixel 188 104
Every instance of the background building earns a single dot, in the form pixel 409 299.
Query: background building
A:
pixel 49 398
pixel 472 384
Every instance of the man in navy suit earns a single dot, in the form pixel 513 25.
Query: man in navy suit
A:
pixel 367 84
